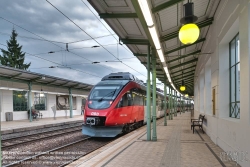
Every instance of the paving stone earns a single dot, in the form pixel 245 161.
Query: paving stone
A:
pixel 176 146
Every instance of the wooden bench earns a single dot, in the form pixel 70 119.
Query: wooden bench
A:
pixel 198 122
pixel 196 119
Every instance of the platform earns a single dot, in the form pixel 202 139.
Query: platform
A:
pixel 26 125
pixel 176 146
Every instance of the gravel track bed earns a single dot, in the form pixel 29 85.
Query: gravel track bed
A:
pixel 9 155
pixel 63 156
pixel 13 142
pixel 41 130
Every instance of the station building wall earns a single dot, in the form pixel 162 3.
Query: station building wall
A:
pixel 6 105
pixel 212 71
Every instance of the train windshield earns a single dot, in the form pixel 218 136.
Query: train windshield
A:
pixel 101 97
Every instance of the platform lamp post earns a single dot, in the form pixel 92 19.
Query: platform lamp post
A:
pixel 148 97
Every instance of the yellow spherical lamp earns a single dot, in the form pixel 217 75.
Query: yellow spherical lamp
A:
pixel 189 33
pixel 183 88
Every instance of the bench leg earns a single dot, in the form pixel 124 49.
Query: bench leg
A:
pixel 193 130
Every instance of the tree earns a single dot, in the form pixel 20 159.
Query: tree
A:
pixel 13 57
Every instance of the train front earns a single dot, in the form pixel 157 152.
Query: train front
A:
pixel 98 110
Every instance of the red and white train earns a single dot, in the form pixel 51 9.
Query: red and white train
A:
pixel 117 104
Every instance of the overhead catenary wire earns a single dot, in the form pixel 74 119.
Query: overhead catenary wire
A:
pixel 21 36
pixel 63 49
pixel 58 63
pixel 91 36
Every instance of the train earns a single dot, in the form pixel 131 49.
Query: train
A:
pixel 117 104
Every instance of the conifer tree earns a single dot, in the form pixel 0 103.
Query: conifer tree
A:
pixel 13 57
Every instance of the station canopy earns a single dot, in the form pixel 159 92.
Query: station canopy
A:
pixel 126 19
pixel 22 76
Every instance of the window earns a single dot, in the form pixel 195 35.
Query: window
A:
pixel 234 62
pixel 20 100
pixel 40 101
pixel 124 101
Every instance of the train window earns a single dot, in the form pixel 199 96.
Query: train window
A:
pixel 123 101
pixel 130 99
pixel 105 92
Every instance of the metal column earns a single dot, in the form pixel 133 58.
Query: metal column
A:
pixel 29 96
pixel 175 110
pixel 148 97
pixel 154 137
pixel 180 104
pixel 171 104
pixel 165 104
pixel 70 102
pixel 169 101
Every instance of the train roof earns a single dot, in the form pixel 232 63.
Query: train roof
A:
pixel 123 78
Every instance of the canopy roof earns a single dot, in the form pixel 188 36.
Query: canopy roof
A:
pixel 22 76
pixel 126 19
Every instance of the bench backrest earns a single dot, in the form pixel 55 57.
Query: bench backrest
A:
pixel 201 118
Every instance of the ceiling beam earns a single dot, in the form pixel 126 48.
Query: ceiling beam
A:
pixel 49 83
pixel 174 79
pixel 140 54
pixel 135 41
pixel 73 86
pixel 186 81
pixel 117 15
pixel 64 84
pixel 35 79
pixel 185 46
pixel 185 73
pixel 184 78
pixel 13 76
pixel 174 34
pixel 165 5
pixel 147 63
pixel 183 69
pixel 185 63
pixel 184 56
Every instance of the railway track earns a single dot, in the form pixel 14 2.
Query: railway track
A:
pixel 15 141
pixel 59 156
pixel 63 155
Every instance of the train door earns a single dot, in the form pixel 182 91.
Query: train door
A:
pixel 138 109
pixel 124 108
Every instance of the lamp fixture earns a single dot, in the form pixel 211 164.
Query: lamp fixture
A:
pixel 146 12
pixel 155 37
pixel 182 87
pixel 189 32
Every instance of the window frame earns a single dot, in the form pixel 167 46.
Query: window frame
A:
pixel 234 105
pixel 40 99
pixel 22 103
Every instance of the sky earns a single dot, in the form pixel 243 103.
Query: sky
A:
pixel 42 29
